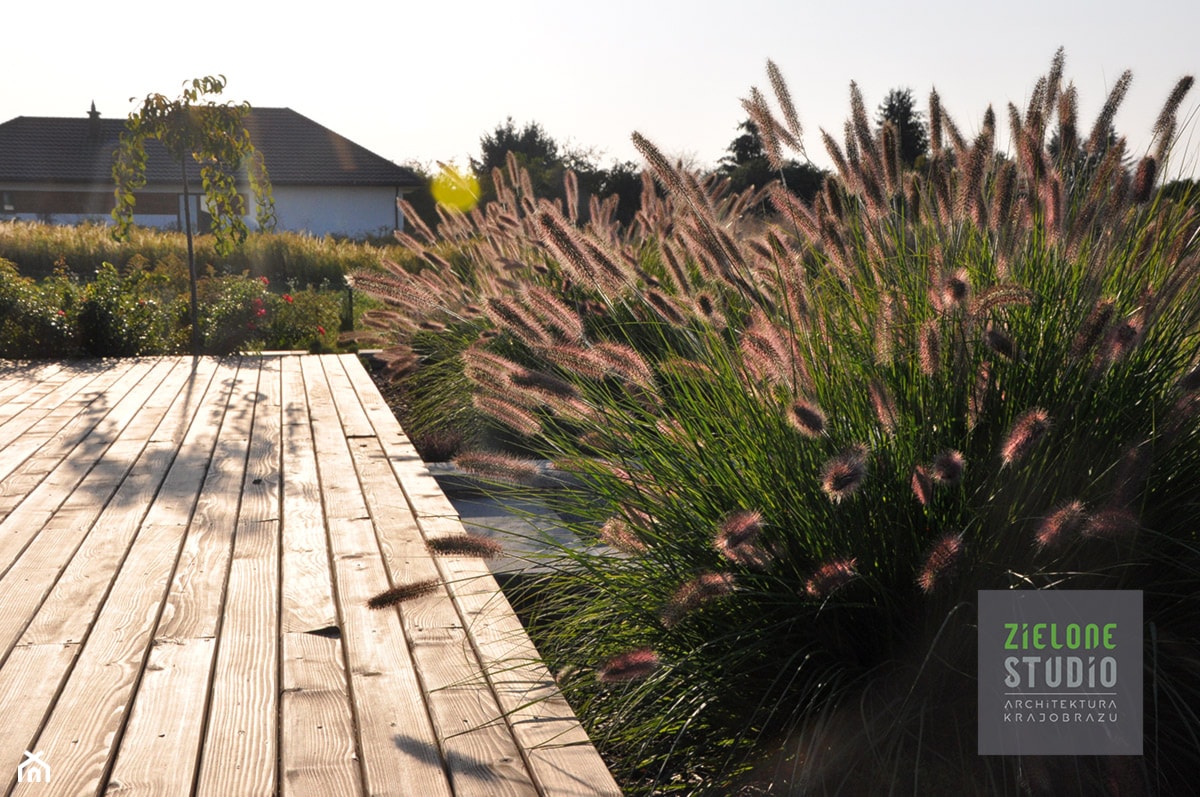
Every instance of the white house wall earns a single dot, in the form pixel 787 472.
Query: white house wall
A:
pixel 345 211
pixel 350 211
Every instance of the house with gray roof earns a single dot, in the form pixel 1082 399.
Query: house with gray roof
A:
pixel 59 170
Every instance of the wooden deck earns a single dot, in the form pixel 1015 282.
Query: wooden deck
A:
pixel 186 550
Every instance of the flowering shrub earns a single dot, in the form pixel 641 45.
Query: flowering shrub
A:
pixel 128 316
pixel 307 319
pixel 34 321
pixel 808 441
pixel 144 311
pixel 233 313
pixel 241 313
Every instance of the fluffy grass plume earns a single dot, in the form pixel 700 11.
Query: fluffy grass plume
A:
pixel 403 592
pixel 466 545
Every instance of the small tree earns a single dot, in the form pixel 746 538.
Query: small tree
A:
pixel 531 141
pixel 899 108
pixel 213 135
pixel 747 166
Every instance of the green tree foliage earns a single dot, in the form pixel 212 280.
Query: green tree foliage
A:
pixel 530 144
pixel 421 200
pixel 624 181
pixel 747 166
pixel 1185 190
pixel 535 151
pixel 899 108
pixel 194 126
pixel 546 163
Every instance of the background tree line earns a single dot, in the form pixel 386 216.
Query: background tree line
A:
pixel 745 163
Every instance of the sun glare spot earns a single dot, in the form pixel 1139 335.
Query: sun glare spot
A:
pixel 455 190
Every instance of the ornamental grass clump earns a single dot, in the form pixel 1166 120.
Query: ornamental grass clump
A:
pixel 809 440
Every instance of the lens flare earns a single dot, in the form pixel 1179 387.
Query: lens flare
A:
pixel 455 190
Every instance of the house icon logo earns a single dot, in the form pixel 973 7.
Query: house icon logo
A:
pixel 33 769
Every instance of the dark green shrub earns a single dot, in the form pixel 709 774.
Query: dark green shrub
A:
pixel 35 322
pixel 307 319
pixel 233 313
pixel 242 314
pixel 127 316
pixel 144 310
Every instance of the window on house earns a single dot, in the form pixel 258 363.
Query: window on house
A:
pixel 6 202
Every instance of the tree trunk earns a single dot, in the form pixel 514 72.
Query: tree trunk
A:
pixel 187 221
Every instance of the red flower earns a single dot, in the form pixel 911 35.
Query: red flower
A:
pixel 287 297
pixel 321 331
pixel 264 280
pixel 260 312
pixel 62 312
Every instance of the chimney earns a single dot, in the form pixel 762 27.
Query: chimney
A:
pixel 93 122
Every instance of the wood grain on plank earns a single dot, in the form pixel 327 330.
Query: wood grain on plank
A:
pixel 16 379
pixel 318 752
pixel 240 744
pixel 169 706
pixel 28 582
pixel 190 614
pixel 43 447
pixel 319 757
pixel 560 755
pixel 27 693
pixel 160 744
pixel 35 403
pixel 74 455
pixel 90 711
pixel 350 412
pixel 398 745
pixel 480 752
pixel 554 744
pixel 307 603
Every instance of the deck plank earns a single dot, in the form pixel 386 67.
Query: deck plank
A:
pixel 22 382
pixel 318 753
pixel 345 399
pixel 480 752
pixel 398 747
pixel 27 583
pixel 38 665
pixel 45 446
pixel 71 430
pixel 20 470
pixel 557 751
pixel 240 748
pixel 33 402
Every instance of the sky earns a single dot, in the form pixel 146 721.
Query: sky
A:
pixel 422 82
